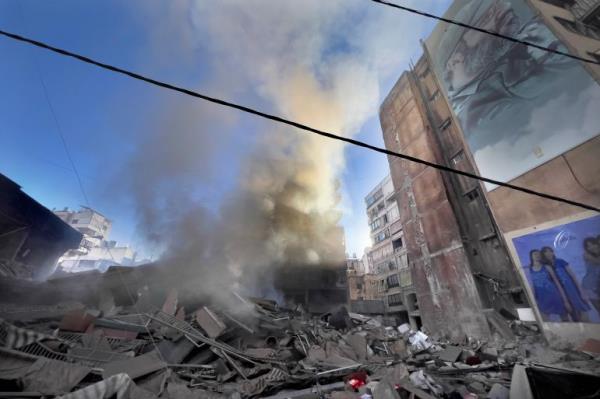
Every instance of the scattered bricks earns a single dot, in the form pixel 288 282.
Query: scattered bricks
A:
pixel 210 322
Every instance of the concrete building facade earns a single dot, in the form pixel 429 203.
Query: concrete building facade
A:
pixel 469 245
pixel 391 279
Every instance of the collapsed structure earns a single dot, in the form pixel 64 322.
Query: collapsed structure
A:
pixel 129 338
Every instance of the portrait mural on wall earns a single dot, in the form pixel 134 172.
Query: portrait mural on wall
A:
pixel 518 106
pixel 562 267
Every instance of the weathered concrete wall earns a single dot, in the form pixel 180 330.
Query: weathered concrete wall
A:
pixel 446 292
pixel 573 175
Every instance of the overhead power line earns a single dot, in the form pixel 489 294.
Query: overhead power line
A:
pixel 486 31
pixel 292 123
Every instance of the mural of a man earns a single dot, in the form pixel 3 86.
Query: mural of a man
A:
pixel 485 74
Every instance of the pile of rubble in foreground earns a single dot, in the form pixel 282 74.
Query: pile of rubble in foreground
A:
pixel 73 352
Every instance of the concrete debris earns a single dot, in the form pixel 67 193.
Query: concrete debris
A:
pixel 450 354
pixel 210 322
pixel 255 348
pixel 135 367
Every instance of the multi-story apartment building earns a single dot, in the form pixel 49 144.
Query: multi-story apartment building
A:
pixel 391 279
pixel 94 226
pixel 95 251
pixel 516 114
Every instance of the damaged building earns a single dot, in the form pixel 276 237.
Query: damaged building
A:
pixel 474 249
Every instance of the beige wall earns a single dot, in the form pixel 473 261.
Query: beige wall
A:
pixel 574 175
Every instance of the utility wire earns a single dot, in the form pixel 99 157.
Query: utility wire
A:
pixel 487 32
pixel 292 123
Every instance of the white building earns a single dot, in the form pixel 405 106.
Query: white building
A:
pixel 92 224
pixel 95 251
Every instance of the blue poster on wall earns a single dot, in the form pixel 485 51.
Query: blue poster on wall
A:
pixel 562 267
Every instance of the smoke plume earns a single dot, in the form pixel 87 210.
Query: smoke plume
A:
pixel 316 62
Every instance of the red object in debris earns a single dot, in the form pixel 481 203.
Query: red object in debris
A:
pixel 473 360
pixel 357 379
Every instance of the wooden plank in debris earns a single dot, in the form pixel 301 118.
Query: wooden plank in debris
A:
pixel 210 322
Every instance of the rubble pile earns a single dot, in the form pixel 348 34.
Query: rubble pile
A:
pixel 253 348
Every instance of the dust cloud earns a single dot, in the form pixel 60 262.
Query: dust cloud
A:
pixel 318 63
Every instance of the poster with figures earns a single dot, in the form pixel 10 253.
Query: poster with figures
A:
pixel 518 106
pixel 562 267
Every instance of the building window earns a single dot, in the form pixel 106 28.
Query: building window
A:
pixel 473 195
pixel 75 221
pixel 394 299
pixel 445 124
pixel 371 199
pixel 579 27
pixel 393 281
pixel 381 236
pixel 397 243
pixel 392 265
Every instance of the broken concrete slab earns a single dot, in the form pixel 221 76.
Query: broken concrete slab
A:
pixel 450 354
pixel 53 377
pixel 175 352
pixel 498 391
pixel 385 390
pixel 120 386
pixel 210 322
pixel 136 366
pixel 403 328
pixel 359 345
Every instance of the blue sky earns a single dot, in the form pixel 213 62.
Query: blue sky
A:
pixel 107 119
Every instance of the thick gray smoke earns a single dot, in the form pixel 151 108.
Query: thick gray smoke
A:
pixel 317 62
